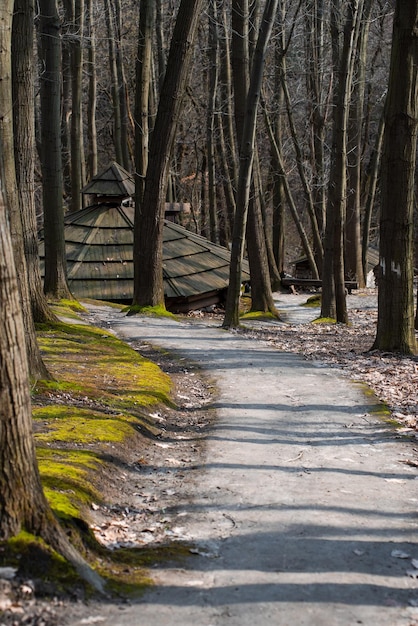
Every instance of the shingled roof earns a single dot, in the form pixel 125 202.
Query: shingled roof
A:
pixel 113 182
pixel 99 248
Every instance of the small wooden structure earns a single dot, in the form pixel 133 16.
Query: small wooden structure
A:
pixel 113 183
pixel 99 251
pixel 303 273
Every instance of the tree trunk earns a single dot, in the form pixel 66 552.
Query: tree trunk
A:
pixel 22 501
pixel 24 149
pixel 142 95
pixel 92 93
pixel 352 252
pixel 309 200
pixel 55 282
pixel 280 172
pixel 117 123
pixel 9 185
pixel 148 230
pixel 395 325
pixel 246 162
pixel 213 59
pixel 270 261
pixel 68 6
pixel 160 44
pixel 317 109
pixel 125 115
pixel 77 151
pixel 371 185
pixel 333 303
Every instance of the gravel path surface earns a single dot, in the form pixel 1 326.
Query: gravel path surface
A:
pixel 304 511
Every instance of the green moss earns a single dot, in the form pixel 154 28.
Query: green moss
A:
pixel 94 369
pixel 153 311
pixel 42 386
pixel 35 560
pixel 93 363
pixel 67 484
pixel 67 308
pixel 72 424
pixel 324 320
pixel 259 315
pixel 378 407
pixel 128 566
pixel 313 301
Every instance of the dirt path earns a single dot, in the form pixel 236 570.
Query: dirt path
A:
pixel 305 510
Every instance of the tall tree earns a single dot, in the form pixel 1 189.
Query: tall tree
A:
pixel 142 94
pixel 333 280
pixel 77 144
pixel 22 501
pixel 317 107
pixel 24 149
pixel 55 282
pixel 244 31
pixel 92 91
pixel 231 319
pixel 213 79
pixel 355 151
pixel 121 85
pixel 395 325
pixel 148 229
pixel 12 197
pixel 117 119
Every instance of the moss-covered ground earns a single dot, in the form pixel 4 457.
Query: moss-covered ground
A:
pixel 97 402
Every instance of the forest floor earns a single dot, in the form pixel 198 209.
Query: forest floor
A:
pixel 394 380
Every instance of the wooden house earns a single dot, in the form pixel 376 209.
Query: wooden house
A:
pixel 99 251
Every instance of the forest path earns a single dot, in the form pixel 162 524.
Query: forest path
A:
pixel 303 507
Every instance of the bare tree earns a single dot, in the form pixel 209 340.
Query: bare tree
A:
pixel 148 274
pixel 92 91
pixel 9 186
pixel 55 282
pixel 24 149
pixel 142 94
pixel 76 133
pixel 395 326
pixel 333 280
pixel 213 57
pixel 231 319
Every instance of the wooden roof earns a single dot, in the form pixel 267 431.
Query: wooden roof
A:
pixel 99 247
pixel 114 182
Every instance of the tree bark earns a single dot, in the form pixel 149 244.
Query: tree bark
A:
pixel 213 59
pixel 24 149
pixel 148 229
pixel 9 185
pixel 371 186
pixel 125 115
pixel 117 122
pixel 55 282
pixel 142 95
pixel 352 252
pixel 92 93
pixel 22 501
pixel 333 303
pixel 317 108
pixel 77 149
pixel 231 319
pixel 395 325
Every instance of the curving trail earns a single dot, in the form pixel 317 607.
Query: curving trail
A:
pixel 303 507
